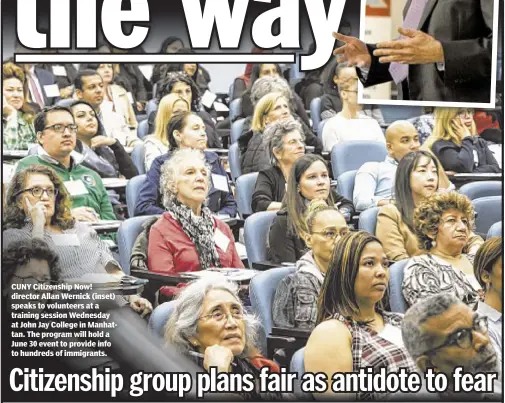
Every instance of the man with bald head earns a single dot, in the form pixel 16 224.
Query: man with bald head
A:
pixel 374 183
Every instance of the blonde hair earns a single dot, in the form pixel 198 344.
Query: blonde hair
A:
pixel 263 108
pixel 443 127
pixel 164 115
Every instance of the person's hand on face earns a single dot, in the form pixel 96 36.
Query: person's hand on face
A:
pixel 99 141
pixel 461 129
pixel 218 356
pixel 140 305
pixel 85 214
pixel 37 212
pixel 354 52
pixel 7 109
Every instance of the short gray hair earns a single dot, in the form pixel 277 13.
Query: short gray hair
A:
pixel 274 134
pixel 416 341
pixel 268 84
pixel 183 322
pixel 171 169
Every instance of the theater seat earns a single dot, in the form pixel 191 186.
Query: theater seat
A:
pixel 298 363
pixel 345 184
pixel 256 229
pixel 143 129
pixel 138 157
pixel 475 190
pixel 244 190
pixel 351 155
pixel 495 230
pixel 235 109
pixel 234 161
pixel 489 211
pixel 396 301
pixel 132 191
pixel 236 130
pixel 159 318
pixel 392 113
pixel 368 220
pixel 315 112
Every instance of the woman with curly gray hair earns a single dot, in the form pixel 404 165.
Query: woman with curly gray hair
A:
pixel 443 224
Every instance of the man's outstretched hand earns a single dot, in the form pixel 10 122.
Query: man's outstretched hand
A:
pixel 354 52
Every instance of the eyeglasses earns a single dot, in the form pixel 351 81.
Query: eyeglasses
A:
pixel 463 338
pixel 61 128
pixel 332 234
pixel 35 280
pixel 218 315
pixel 351 91
pixel 463 112
pixel 38 192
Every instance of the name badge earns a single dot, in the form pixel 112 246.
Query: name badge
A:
pixel 65 240
pixel 52 90
pixel 76 188
pixel 221 240
pixel 59 71
pixel 220 182
pixel 208 99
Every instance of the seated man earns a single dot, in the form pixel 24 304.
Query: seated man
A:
pixel 442 333
pixel 56 134
pixel 350 124
pixel 374 183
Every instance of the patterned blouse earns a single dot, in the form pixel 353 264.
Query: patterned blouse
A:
pixel 426 275
pixel 17 133
pixel 369 349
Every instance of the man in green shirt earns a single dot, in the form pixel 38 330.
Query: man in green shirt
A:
pixel 56 134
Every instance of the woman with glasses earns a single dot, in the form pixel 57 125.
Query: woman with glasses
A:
pixel 443 224
pixel 456 144
pixel 209 324
pixel 38 206
pixel 295 302
pixel 353 330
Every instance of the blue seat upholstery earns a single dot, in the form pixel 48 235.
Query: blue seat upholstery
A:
pixel 234 160
pixel 495 230
pixel 392 113
pixel 235 108
pixel 352 155
pixel 236 130
pixel 297 364
pixel 320 128
pixel 152 106
pixel 261 293
pixel 128 232
pixel 138 157
pixel 315 112
pixel 489 211
pixel 474 190
pixel 345 184
pixel 132 191
pixel 159 318
pixel 368 220
pixel 66 102
pixel 396 300
pixel 244 191
pixel 143 129
pixel 256 229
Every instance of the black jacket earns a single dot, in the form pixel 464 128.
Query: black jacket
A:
pixel 331 104
pixel 270 187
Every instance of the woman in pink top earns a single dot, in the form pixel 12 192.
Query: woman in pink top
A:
pixel 188 237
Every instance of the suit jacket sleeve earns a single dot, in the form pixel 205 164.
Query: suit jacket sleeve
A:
pixel 378 73
pixel 147 203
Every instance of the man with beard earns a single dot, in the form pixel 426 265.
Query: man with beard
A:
pixel 442 333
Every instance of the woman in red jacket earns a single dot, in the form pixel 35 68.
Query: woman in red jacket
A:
pixel 187 237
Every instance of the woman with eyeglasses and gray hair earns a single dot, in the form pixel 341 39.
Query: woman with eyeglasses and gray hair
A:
pixel 210 325
pixel 285 144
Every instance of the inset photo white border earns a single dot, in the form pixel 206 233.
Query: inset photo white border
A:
pixel 492 102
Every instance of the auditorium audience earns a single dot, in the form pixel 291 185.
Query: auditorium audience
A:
pixel 104 155
pixel 442 333
pixel 456 144
pixel 331 104
pixel 56 134
pixel 170 45
pixel 418 176
pixel 156 144
pixel 295 301
pixel 39 82
pixel 64 76
pixel 443 225
pixel 186 130
pixel 285 144
pixel 353 330
pixel 350 124
pixel 17 114
pixel 211 326
pixel 197 73
pixel 187 237
pixel 309 179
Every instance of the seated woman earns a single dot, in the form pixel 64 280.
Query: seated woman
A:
pixel 418 176
pixel 197 73
pixel 331 104
pixel 285 144
pixel 443 224
pixel 38 206
pixel 18 132
pixel 488 270
pixel 170 45
pixel 210 325
pixel 353 331
pixel 187 130
pixel 156 144
pixel 309 179
pixel 187 237
pixel 295 302
pixel 104 155
pixel 456 144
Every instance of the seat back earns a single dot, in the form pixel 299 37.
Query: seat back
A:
pixel 142 130
pixel 132 191
pixel 396 300
pixel 256 229
pixel 489 211
pixel 320 127
pixel 495 230
pixel 139 157
pixel 236 130
pixel 345 184
pixel 475 190
pixel 368 220
pixel 235 108
pixel 159 318
pixel 244 191
pixel 297 364
pixel 392 113
pixel 315 112
pixel 352 155
pixel 65 102
pixel 234 161
pixel 261 293
pixel 152 106
pixel 128 232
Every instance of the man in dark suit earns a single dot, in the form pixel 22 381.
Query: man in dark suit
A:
pixel 38 79
pixel 444 53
